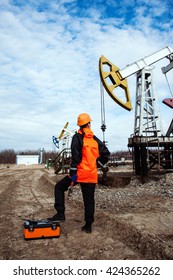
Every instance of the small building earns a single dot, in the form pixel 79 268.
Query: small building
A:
pixel 27 159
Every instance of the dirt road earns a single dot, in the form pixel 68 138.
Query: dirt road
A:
pixel 132 221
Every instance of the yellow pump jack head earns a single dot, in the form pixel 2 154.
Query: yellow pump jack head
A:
pixel 115 80
pixel 63 130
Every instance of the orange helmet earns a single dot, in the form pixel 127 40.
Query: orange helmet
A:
pixel 83 119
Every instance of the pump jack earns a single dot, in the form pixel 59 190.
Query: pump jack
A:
pixel 150 147
pixel 62 161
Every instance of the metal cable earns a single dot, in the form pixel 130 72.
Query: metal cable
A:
pixel 103 119
pixel 168 84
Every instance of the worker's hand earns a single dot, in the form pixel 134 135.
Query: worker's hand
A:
pixel 105 169
pixel 74 178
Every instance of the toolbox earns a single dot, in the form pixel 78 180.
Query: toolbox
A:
pixel 41 229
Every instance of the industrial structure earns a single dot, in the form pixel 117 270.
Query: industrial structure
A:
pixel 150 147
pixel 62 161
pixel 27 159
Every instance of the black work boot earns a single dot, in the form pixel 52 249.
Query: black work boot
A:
pixel 57 217
pixel 87 228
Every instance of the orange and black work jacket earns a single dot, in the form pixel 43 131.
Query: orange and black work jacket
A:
pixel 86 150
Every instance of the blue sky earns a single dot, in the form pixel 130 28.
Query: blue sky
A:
pixel 49 56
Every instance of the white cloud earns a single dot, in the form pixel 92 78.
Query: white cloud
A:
pixel 49 68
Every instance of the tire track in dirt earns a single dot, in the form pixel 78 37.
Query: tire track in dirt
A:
pixel 17 201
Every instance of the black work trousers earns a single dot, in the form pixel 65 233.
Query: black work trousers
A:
pixel 88 191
